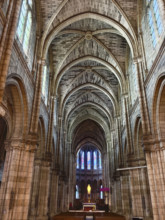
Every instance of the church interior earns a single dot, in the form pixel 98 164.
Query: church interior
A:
pixel 82 109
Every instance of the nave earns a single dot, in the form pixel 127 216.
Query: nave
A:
pixel 82 108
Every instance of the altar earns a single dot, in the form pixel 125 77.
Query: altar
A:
pixel 89 206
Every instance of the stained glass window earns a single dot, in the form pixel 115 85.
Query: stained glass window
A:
pixel 30 2
pixel 77 192
pixel 25 24
pixel 154 18
pixel 44 81
pixel 101 192
pixel 27 32
pixel 22 20
pixel 152 29
pixel 78 161
pixel 95 160
pixel 88 160
pixel 82 160
pixel 100 165
pixel 157 16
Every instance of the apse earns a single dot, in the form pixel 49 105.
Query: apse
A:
pixel 88 172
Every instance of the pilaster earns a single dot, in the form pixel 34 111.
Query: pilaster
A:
pixel 17 180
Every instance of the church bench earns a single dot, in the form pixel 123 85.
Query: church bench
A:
pixel 109 218
pixel 69 218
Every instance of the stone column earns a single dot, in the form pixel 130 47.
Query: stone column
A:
pixel 142 97
pixel 64 194
pixel 51 124
pixel 35 189
pixel 118 125
pixel 43 195
pixel 67 168
pixel 128 128
pixel 72 179
pixel 7 40
pixel 146 198
pixel 17 180
pixel 59 139
pixel 37 97
pixel 114 197
pixel 118 195
pixel 155 165
pixel 54 192
pixel 125 194
pixel 136 193
pixel 64 152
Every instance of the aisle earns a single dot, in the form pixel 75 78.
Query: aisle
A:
pixel 88 216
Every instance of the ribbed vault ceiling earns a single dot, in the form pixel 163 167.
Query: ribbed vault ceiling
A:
pixel 88 58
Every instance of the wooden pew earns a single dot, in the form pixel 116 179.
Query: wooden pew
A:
pixel 109 218
pixel 68 218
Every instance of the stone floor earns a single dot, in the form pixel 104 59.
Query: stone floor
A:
pixel 86 215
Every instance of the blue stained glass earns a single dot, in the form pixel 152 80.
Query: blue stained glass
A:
pixel 77 192
pixel 100 166
pixel 101 193
pixel 78 161
pixel 82 160
pixel 95 160
pixel 157 16
pixel 88 160
pixel 152 29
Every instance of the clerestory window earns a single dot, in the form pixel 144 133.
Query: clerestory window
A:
pixel 82 160
pixel 154 20
pixel 95 160
pixel 45 84
pixel 25 24
pixel 88 160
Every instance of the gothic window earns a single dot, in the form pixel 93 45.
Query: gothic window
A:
pixel 44 81
pixel 88 160
pixel 82 160
pixel 95 160
pixel 100 166
pixel 45 84
pixel 77 192
pixel 157 16
pixel 152 28
pixel 101 192
pixel 78 160
pixel 25 24
pixel 154 19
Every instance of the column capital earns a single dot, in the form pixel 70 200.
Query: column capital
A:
pixel 18 144
pixel 41 61
pixel 117 116
pixel 125 95
pixel 137 59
